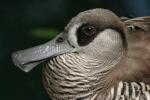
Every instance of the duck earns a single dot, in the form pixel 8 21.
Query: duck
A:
pixel 98 56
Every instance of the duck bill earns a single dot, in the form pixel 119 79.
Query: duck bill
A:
pixel 29 58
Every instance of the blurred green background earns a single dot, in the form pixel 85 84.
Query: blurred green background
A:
pixel 26 23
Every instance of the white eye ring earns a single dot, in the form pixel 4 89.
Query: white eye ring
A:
pixel 72 38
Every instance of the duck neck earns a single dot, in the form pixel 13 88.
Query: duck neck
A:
pixel 73 76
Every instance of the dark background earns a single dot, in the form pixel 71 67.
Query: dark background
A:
pixel 26 23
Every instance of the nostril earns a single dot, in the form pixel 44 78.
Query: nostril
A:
pixel 59 40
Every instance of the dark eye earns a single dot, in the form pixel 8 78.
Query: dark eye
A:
pixel 86 33
pixel 88 30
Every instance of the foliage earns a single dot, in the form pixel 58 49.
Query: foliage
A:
pixel 44 33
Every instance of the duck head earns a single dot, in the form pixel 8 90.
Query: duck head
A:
pixel 96 33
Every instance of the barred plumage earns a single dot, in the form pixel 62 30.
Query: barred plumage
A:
pixel 66 79
pixel 56 66
pixel 54 72
pixel 130 91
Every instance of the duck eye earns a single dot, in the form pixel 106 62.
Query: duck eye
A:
pixel 88 30
pixel 86 33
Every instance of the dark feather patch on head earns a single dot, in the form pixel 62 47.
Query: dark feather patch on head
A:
pixel 84 37
pixel 100 19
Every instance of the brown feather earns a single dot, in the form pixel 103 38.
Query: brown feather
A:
pixel 136 65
